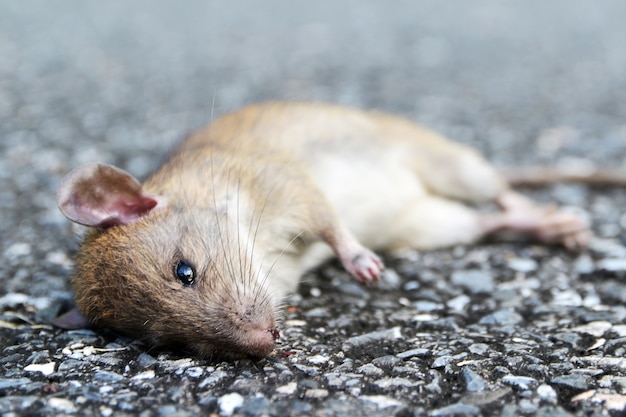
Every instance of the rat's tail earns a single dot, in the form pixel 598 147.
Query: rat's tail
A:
pixel 541 176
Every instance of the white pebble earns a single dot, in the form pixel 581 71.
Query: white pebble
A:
pixel 594 328
pixel 106 411
pixel 381 401
pixel 316 393
pixel 45 368
pixel 62 404
pixel 13 299
pixel 17 250
pixel 288 389
pixel 229 402
pixel 522 265
pixel 58 258
pixel 149 374
pixel 458 303
pixel 547 393
pixel 317 359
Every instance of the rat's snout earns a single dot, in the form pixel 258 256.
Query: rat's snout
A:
pixel 261 342
pixel 248 326
pixel 259 331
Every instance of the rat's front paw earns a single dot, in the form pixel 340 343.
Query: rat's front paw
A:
pixel 364 265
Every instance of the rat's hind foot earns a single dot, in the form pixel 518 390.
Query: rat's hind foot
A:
pixel 568 229
pixel 547 224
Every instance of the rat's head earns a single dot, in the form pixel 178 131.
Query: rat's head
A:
pixel 166 273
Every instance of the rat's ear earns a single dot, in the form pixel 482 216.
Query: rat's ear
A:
pixel 72 320
pixel 102 196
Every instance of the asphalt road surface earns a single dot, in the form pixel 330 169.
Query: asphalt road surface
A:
pixel 494 329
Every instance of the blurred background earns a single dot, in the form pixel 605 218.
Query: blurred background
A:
pixel 119 82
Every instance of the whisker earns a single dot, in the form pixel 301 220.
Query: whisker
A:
pixel 221 235
pixel 282 252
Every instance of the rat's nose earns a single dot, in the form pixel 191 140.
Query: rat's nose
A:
pixel 260 342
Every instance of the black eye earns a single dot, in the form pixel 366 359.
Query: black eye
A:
pixel 185 273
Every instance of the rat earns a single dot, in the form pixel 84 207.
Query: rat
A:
pixel 201 253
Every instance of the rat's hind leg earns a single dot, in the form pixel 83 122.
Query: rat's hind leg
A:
pixel 435 222
pixel 462 174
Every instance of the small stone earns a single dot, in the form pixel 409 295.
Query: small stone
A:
pixel 386 383
pixel 229 402
pixel 13 299
pixel 105 411
pixel 522 265
pixel 411 286
pixel 614 402
pixel 476 281
pixel 59 258
pixel 612 381
pixel 309 370
pixel 174 365
pixel 435 385
pixel 552 411
pixel 594 328
pixel 441 361
pixel 45 369
pixel 16 403
pixel 478 348
pixel 316 393
pixel 547 393
pixel 213 379
pixel 390 279
pixel 414 353
pixel 502 317
pixel 287 389
pixel 370 370
pixel 526 406
pixel 321 312
pixel 145 361
pixel 8 383
pixel 258 406
pixel 458 409
pixel 473 381
pixel 620 329
pixel 108 376
pixel 578 382
pixel 377 336
pixel 427 306
pixel 568 298
pixel 149 374
pixel 62 405
pixel 335 380
pixel 612 264
pixel 17 250
pixel 459 303
pixel 381 401
pixel 521 382
pixel 317 359
pixel 387 361
pixel 194 372
pixel 315 292
pixel 584 264
pixel 482 398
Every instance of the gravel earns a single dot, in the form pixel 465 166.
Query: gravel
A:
pixel 500 328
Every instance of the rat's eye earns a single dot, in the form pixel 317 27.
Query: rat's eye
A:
pixel 185 273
